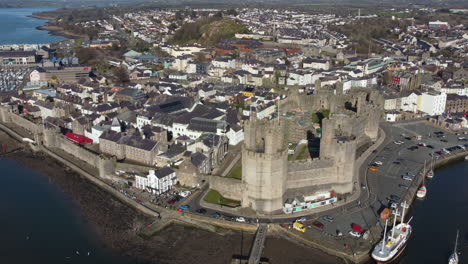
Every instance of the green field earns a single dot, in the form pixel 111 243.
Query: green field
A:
pixel 216 198
pixel 236 173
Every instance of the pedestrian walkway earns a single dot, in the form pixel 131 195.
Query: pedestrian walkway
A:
pixel 258 244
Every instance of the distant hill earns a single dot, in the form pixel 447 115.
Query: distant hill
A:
pixel 207 31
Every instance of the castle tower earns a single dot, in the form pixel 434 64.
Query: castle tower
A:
pixel 264 165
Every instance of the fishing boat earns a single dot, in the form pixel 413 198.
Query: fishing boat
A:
pixel 453 259
pixel 394 242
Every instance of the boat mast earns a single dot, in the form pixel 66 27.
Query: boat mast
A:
pixel 394 222
pixel 384 233
pixel 403 212
pixel 456 241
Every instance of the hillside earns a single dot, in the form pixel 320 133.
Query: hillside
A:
pixel 207 31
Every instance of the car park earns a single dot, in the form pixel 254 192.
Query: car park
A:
pixel 403 186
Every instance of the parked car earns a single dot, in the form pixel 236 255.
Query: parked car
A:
pixel 444 140
pixel 393 197
pixel 301 219
pixel 241 219
pixel 374 169
pixel 216 215
pixel 318 225
pixel 403 186
pixel 328 218
pixel 355 233
pixel 430 146
pixel 379 163
pixel 184 193
pixel 357 228
pixel 363 186
pixel 201 211
pixel 407 178
pixel 184 207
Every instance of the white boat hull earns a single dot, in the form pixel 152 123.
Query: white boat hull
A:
pixel 387 257
pixel 421 192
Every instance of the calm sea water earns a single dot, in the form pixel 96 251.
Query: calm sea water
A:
pixel 437 218
pixel 41 224
pixel 17 28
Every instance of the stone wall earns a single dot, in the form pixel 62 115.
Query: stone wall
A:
pixel 8 117
pixel 310 173
pixel 228 187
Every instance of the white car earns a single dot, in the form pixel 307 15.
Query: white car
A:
pixel 398 142
pixel 379 163
pixel 240 219
pixel 355 233
pixel 184 193
pixel 301 220
pixel 407 178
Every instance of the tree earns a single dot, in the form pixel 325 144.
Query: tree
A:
pixel 86 54
pixel 315 118
pixel 121 75
pixel 326 113
pixel 231 12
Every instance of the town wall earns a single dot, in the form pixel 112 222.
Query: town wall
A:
pixel 8 117
pixel 310 173
pixel 228 187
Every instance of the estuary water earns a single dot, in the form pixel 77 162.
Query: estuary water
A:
pixel 16 27
pixel 437 218
pixel 42 224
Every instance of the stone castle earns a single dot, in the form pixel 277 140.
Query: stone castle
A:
pixel 268 178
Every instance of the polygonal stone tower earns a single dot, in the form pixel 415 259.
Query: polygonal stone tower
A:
pixel 264 165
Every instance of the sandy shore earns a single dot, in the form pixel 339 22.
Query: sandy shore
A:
pixel 115 224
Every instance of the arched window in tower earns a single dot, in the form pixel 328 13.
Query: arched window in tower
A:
pixel 261 146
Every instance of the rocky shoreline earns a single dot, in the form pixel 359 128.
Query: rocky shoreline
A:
pixel 116 223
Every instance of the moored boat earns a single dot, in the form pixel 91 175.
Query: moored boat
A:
pixel 453 259
pixel 394 242
pixel 430 172
pixel 421 192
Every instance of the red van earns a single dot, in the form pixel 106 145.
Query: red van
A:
pixel 357 228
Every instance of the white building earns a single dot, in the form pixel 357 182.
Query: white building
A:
pixel 432 103
pixel 235 134
pixel 157 182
